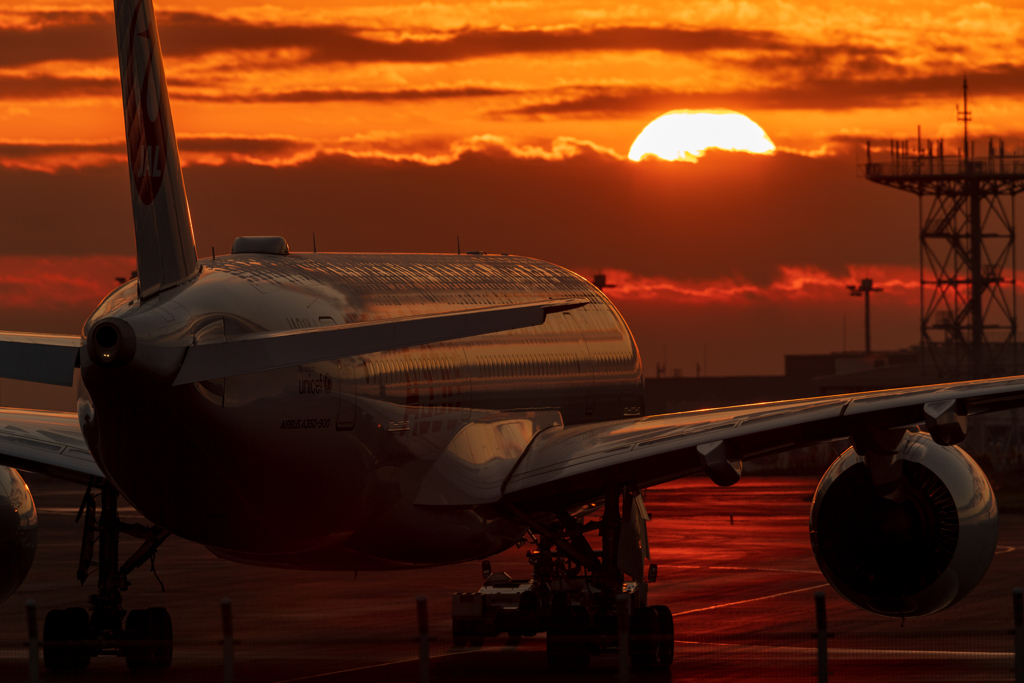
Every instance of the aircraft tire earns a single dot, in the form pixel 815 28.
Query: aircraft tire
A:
pixel 163 652
pixel 666 637
pixel 59 627
pixel 139 627
pixel 643 638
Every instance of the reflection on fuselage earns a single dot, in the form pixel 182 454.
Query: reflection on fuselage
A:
pixel 318 465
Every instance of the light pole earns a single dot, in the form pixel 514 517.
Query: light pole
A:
pixel 866 287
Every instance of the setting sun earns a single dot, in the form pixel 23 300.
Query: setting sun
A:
pixel 684 135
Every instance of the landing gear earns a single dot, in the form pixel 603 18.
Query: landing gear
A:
pixel 64 633
pixel 652 638
pixel 572 595
pixel 70 637
pixel 151 628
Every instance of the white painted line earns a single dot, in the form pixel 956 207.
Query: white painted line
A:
pixel 743 602
pixel 860 652
pixel 377 666
pixel 765 569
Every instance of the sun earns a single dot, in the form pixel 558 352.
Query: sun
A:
pixel 684 135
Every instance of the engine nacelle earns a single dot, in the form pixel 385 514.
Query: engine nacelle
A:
pixel 915 551
pixel 18 525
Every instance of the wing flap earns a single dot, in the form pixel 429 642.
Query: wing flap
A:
pixel 46 442
pixel 565 466
pixel 268 351
pixel 43 358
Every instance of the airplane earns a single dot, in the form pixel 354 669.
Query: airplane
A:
pixel 384 411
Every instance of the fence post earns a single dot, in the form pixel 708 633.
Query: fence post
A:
pixel 33 641
pixel 1018 635
pixel 622 610
pixel 819 609
pixel 424 630
pixel 229 640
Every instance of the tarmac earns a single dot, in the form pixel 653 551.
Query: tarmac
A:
pixel 735 568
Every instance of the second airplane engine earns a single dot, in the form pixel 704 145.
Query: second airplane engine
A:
pixel 913 544
pixel 17 531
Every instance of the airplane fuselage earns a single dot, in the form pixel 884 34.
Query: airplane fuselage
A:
pixel 328 465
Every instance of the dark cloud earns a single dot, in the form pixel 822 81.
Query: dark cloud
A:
pixel 83 36
pixel 813 93
pixel 241 145
pixel 30 150
pixel 189 33
pixel 257 147
pixel 350 95
pixel 730 213
pixel 90 36
pixel 41 87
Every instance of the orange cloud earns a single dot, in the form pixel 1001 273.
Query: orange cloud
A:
pixel 794 283
pixel 280 151
pixel 522 71
pixel 59 282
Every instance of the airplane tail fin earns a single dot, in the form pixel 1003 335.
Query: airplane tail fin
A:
pixel 164 241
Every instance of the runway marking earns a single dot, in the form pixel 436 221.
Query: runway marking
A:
pixel 742 602
pixel 853 651
pixel 765 569
pixel 741 569
pixel 377 666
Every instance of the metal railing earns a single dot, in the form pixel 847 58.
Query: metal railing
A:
pixel 945 166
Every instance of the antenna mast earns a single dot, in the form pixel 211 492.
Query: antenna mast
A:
pixel 964 116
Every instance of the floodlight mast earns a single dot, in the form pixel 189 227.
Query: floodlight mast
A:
pixel 866 287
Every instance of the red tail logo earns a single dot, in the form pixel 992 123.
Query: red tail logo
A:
pixel 147 152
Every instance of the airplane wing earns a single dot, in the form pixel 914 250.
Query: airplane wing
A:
pixel 44 358
pixel 270 350
pixel 46 442
pixel 566 466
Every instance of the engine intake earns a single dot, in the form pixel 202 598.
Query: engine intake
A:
pixel 910 548
pixel 18 527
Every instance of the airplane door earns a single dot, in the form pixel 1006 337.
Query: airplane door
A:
pixel 586 366
pixel 346 394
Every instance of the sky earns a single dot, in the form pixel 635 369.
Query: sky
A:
pixel 405 126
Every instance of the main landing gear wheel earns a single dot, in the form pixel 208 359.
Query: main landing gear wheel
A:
pixel 652 638
pixel 65 634
pixel 666 637
pixel 643 638
pixel 151 628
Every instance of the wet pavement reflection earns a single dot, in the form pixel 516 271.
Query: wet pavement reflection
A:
pixel 735 567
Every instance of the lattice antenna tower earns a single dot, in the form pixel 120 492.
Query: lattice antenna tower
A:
pixel 967 246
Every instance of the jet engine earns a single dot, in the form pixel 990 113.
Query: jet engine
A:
pixel 17 531
pixel 913 544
